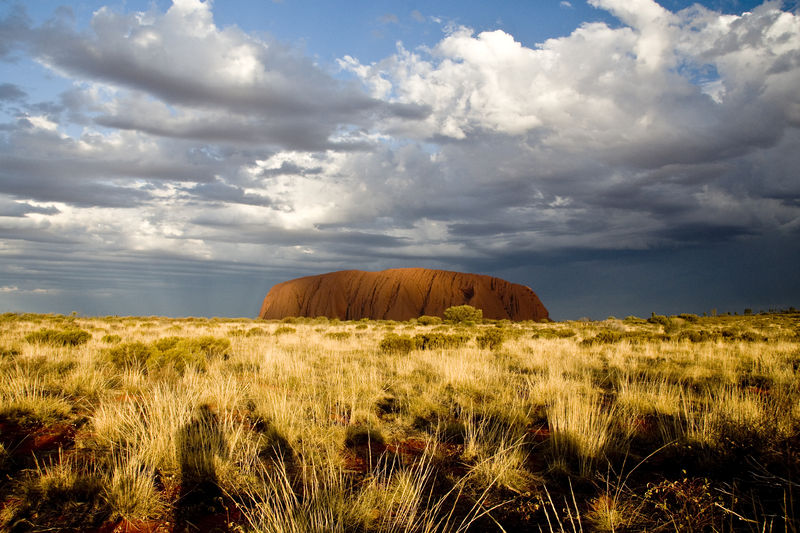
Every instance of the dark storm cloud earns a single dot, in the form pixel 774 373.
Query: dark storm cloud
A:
pixel 78 194
pixel 288 168
pixel 13 29
pixel 296 132
pixel 41 164
pixel 689 234
pixel 223 192
pixel 11 92
pixel 469 230
pixel 214 229
pixel 20 209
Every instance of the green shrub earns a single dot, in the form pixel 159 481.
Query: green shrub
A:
pixel 689 317
pixel 696 335
pixel 462 314
pixel 166 343
pixel 751 336
pixel 210 346
pixel 129 355
pixel 673 325
pixel 55 337
pixel 634 320
pixel 658 319
pixel 111 339
pixel 361 326
pixel 338 335
pixel 441 341
pixel 491 338
pixel 172 352
pixel 427 320
pixel 256 332
pixel 398 344
pixel 283 330
pixel 605 336
pixel 548 333
pixel 178 357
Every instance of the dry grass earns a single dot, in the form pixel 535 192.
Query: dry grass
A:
pixel 308 426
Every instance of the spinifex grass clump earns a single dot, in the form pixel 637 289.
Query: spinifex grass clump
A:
pixel 28 399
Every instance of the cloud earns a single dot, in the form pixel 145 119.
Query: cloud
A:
pixel 182 144
pixel 9 208
pixel 191 79
pixel 11 92
pixel 617 123
pixel 15 289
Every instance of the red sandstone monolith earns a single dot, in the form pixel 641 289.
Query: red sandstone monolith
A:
pixel 400 294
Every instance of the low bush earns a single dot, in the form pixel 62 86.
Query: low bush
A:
pixel 553 333
pixel 634 337
pixel 283 330
pixel 55 337
pixel 441 341
pixel 698 335
pixel 463 314
pixel 111 339
pixel 658 319
pixel 634 320
pixel 256 332
pixel 427 320
pixel 338 335
pixel 673 325
pixel 210 346
pixel 491 338
pixel 752 336
pixel 174 352
pixel 397 344
pixel 181 352
pixel 605 336
pixel 129 355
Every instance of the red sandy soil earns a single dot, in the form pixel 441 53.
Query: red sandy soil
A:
pixel 21 441
pixel 400 294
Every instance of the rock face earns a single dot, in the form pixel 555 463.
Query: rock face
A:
pixel 399 294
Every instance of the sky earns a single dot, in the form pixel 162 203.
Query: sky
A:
pixel 619 157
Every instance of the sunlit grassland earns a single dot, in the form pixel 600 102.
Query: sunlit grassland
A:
pixel 667 424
